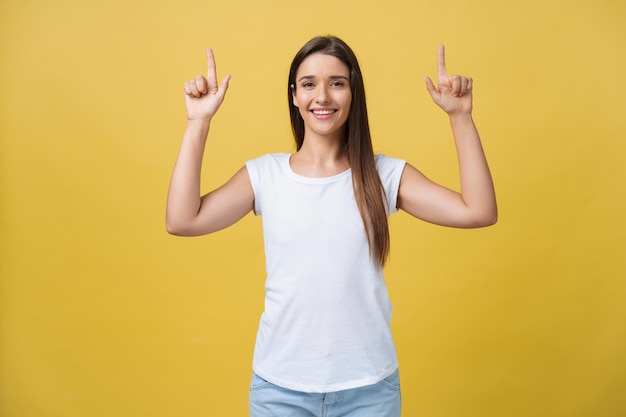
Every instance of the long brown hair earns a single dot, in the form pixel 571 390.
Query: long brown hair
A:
pixel 368 189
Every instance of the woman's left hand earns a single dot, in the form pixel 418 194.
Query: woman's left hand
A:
pixel 453 93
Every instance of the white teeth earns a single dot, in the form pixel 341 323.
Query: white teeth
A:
pixel 323 112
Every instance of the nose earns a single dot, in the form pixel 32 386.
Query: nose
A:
pixel 322 95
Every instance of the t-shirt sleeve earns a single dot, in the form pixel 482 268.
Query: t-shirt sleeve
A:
pixel 390 171
pixel 255 169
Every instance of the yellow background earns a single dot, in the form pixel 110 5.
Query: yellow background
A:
pixel 104 314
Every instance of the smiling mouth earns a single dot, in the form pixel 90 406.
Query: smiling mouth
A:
pixel 323 112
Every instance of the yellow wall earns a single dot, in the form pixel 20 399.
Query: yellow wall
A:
pixel 104 314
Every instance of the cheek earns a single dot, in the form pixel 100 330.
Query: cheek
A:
pixel 301 99
pixel 345 100
pixel 347 103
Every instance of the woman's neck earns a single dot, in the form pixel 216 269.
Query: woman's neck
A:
pixel 320 157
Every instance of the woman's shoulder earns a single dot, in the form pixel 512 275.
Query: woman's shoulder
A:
pixel 385 163
pixel 267 162
pixel 270 157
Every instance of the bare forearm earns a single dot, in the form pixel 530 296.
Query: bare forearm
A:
pixel 183 201
pixel 477 190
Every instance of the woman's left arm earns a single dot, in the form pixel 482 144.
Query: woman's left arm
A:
pixel 475 205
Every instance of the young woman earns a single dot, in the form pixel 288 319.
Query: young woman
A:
pixel 324 345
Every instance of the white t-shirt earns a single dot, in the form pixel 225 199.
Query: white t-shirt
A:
pixel 326 324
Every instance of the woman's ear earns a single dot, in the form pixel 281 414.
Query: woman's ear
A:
pixel 293 94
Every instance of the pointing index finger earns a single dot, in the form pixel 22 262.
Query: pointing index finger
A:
pixel 441 62
pixel 211 73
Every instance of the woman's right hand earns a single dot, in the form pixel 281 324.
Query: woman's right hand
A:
pixel 203 96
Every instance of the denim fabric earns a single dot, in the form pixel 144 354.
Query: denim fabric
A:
pixel 377 400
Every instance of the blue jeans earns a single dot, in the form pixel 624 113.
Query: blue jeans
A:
pixel 377 400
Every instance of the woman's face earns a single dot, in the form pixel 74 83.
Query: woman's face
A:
pixel 322 94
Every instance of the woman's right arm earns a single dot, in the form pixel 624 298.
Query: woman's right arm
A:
pixel 189 214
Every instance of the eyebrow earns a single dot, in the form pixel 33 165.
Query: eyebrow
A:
pixel 332 77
